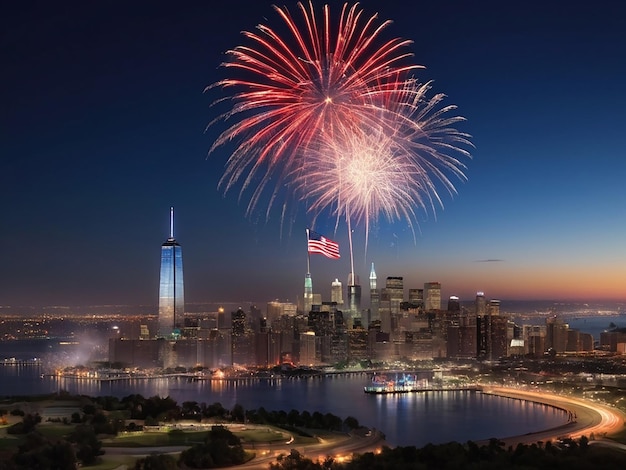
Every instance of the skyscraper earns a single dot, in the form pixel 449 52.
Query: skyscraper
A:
pixel 432 296
pixel 416 297
pixel 354 295
pixel 336 292
pixel 171 287
pixel 395 288
pixel 481 304
pixel 453 304
pixel 308 294
pixel 373 278
pixel 374 296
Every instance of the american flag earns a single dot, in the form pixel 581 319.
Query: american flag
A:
pixel 320 244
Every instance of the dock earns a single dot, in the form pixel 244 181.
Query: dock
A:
pixel 386 390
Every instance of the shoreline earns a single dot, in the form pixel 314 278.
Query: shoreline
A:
pixel 586 418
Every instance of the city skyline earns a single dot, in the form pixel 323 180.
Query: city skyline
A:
pixel 104 128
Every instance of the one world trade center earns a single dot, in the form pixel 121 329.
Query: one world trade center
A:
pixel 171 287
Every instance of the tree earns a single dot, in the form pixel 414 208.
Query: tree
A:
pixel 38 452
pixel 87 443
pixel 221 449
pixel 294 419
pixel 333 423
pixel 583 443
pixel 151 421
pixel 221 433
pixel 215 410
pixel 351 422
pixel 295 461
pixel 238 413
pixel 26 426
pixel 89 409
pixel 156 462
pixel 190 410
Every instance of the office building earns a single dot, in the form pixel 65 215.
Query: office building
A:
pixel 373 278
pixel 556 334
pixel 242 338
pixel 494 337
pixel 374 297
pixel 354 296
pixel 308 294
pixel 416 298
pixel 454 305
pixel 480 304
pixel 171 287
pixel 432 296
pixel 308 349
pixel 336 292
pixel 395 289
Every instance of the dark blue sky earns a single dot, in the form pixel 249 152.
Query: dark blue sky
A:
pixel 102 128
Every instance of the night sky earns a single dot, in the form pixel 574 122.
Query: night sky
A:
pixel 103 121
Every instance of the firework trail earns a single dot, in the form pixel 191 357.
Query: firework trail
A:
pixel 317 79
pixel 389 169
pixel 392 169
pixel 335 115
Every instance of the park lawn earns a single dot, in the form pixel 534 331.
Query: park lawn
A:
pixel 155 439
pixel 264 434
pixel 56 431
pixel 10 442
pixel 51 431
pixel 273 434
pixel 303 440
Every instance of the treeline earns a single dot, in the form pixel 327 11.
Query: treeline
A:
pixel 154 410
pixel 80 444
pixel 220 448
pixel 568 454
pixel 107 416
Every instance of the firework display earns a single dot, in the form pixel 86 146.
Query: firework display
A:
pixel 389 169
pixel 329 109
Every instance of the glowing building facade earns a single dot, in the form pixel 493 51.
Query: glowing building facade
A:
pixel 308 294
pixel 336 292
pixel 171 287
pixel 432 296
pixel 374 297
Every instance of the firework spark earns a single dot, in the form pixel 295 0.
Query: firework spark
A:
pixel 391 169
pixel 315 80
pixel 337 116
pixel 366 175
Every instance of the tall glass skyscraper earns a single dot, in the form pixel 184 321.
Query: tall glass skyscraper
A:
pixel 171 287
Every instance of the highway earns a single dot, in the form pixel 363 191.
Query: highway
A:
pixel 339 447
pixel 588 417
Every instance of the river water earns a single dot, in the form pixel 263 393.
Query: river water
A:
pixel 406 419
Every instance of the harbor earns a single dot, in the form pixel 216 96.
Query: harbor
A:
pixel 410 383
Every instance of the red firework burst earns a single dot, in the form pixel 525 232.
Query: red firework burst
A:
pixel 321 78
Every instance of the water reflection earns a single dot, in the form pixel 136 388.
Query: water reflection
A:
pixel 406 419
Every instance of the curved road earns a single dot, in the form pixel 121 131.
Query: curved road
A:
pixel 342 446
pixel 588 417
pixel 338 447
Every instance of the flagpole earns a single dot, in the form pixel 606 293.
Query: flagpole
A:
pixel 350 240
pixel 308 283
pixel 308 255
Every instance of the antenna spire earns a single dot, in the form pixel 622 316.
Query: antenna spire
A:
pixel 172 222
